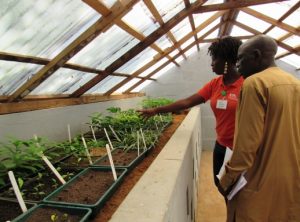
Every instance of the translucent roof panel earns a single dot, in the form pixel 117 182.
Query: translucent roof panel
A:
pixel 293 60
pixel 274 10
pixel 105 49
pixel 212 35
pixel 105 85
pixel 293 19
pixel 237 31
pixel 188 42
pixel 293 41
pixel 174 52
pixel 138 61
pixel 15 74
pixel 41 28
pixel 127 85
pixel 179 59
pixel 163 71
pixel 182 29
pixel 155 66
pixel 207 28
pixel 212 2
pixel 109 3
pixel 191 51
pixel 63 81
pixel 168 8
pixel 252 22
pixel 145 23
pixel 141 86
pixel 164 42
pixel 199 18
pixel 276 33
pixel 280 51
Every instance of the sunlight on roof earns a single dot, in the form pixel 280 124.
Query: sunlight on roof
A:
pixel 63 81
pixel 138 61
pixel 168 8
pixel 207 28
pixel 145 23
pixel 41 28
pixel 293 41
pixel 155 66
pixel 105 49
pixel 188 42
pixel 237 31
pixel 199 18
pixel 141 86
pixel 14 74
pixel 252 22
pixel 181 29
pixel 105 85
pixel 293 60
pixel 174 52
pixel 212 35
pixel 109 3
pixel 280 51
pixel 163 71
pixel 293 19
pixel 212 2
pixel 164 42
pixel 276 33
pixel 191 51
pixel 127 85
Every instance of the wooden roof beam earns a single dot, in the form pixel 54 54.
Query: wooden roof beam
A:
pixel 232 5
pixel 72 49
pixel 295 50
pixel 169 50
pixel 281 44
pixel 287 14
pixel 272 21
pixel 159 19
pixel 192 22
pixel 167 62
pixel 141 46
pixel 42 61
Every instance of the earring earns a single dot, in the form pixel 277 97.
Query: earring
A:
pixel 225 68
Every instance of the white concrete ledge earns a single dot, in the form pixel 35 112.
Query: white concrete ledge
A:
pixel 167 191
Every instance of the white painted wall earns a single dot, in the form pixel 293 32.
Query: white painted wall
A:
pixel 183 81
pixel 52 123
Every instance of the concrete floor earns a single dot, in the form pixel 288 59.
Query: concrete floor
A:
pixel 211 205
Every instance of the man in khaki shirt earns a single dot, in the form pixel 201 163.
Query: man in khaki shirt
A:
pixel 267 139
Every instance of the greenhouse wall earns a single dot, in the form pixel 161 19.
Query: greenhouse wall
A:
pixel 193 73
pixel 167 191
pixel 52 123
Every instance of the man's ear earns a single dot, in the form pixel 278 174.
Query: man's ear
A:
pixel 257 54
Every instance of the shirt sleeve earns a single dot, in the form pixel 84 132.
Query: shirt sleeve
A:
pixel 206 91
pixel 248 133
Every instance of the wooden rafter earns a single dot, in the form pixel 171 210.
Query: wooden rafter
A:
pixel 42 61
pixel 80 42
pixel 192 22
pixel 295 50
pixel 272 21
pixel 105 11
pixel 159 19
pixel 232 5
pixel 226 26
pixel 287 14
pixel 43 103
pixel 142 45
pixel 158 57
pixel 281 44
pixel 167 62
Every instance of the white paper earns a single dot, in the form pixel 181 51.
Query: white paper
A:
pixel 238 186
pixel 228 154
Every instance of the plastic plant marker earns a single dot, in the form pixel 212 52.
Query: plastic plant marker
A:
pixel 111 162
pixel 138 142
pixel 17 191
pixel 106 134
pixel 69 133
pixel 86 150
pixel 114 133
pixel 52 168
pixel 143 138
pixel 93 132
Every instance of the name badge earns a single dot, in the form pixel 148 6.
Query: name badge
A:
pixel 221 104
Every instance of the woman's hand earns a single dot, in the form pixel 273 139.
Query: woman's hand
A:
pixel 147 113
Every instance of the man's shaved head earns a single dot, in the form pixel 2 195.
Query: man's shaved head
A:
pixel 256 54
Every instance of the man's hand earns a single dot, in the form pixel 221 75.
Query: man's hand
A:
pixel 147 113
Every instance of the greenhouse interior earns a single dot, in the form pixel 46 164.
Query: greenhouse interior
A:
pixel 77 78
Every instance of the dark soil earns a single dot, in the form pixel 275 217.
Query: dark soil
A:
pixel 44 214
pixel 132 178
pixel 120 158
pixel 74 161
pixel 10 210
pixel 88 188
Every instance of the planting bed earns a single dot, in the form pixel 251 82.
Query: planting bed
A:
pixel 132 178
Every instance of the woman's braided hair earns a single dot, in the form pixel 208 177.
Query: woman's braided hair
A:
pixel 225 48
